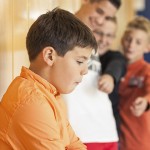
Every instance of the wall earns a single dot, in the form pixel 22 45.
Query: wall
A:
pixel 125 14
pixel 146 13
pixel 16 16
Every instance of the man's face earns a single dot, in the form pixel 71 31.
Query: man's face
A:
pixel 105 35
pixel 95 14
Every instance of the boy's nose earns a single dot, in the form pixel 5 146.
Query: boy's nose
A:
pixel 85 70
pixel 131 44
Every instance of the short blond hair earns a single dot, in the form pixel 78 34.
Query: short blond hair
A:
pixel 141 23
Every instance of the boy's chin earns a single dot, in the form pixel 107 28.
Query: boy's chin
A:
pixel 67 91
pixel 128 56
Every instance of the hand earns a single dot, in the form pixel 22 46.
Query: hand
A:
pixel 139 106
pixel 106 83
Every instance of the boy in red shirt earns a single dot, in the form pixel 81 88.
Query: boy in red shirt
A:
pixel 135 87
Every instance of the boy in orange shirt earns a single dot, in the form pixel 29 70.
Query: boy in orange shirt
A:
pixel 32 113
pixel 135 87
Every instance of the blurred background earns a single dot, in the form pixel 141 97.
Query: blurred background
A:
pixel 16 16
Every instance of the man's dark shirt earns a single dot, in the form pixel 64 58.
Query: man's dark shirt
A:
pixel 114 64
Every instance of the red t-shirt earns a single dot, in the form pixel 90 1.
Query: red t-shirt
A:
pixel 135 130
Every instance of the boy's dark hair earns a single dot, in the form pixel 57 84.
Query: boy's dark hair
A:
pixel 116 3
pixel 61 30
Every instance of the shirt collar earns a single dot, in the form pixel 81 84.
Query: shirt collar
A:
pixel 136 64
pixel 30 75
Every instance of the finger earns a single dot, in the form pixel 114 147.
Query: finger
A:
pixel 138 101
pixel 104 89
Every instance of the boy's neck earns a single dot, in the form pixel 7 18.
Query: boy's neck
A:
pixel 39 70
pixel 129 62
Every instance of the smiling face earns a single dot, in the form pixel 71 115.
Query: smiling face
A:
pixel 67 71
pixel 105 35
pixel 95 14
pixel 135 42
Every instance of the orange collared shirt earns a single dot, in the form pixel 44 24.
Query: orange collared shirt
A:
pixel 33 117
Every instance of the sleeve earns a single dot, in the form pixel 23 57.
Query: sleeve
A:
pixel 147 86
pixel 75 143
pixel 34 127
pixel 116 66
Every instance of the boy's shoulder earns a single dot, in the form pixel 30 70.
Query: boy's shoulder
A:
pixel 140 67
pixel 24 91
pixel 146 66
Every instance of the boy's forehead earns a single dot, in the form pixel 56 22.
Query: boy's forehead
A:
pixel 135 30
pixel 137 33
pixel 84 53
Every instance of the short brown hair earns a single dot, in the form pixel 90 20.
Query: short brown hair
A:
pixel 59 29
pixel 140 22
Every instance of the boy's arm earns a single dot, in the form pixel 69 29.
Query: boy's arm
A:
pixel 112 71
pixel 139 106
pixel 116 65
pixel 142 104
pixel 106 83
pixel 75 143
pixel 147 90
pixel 35 126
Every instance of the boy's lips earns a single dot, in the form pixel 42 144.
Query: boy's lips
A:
pixel 78 82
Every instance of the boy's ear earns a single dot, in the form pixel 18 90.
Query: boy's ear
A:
pixel 147 50
pixel 49 55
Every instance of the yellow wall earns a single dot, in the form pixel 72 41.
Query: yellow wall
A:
pixel 16 16
pixel 125 14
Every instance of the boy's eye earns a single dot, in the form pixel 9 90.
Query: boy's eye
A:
pixel 99 11
pixel 128 39
pixel 80 62
pixel 138 42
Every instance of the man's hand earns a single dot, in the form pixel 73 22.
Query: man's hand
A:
pixel 139 106
pixel 106 83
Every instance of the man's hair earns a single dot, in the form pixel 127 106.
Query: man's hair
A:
pixel 59 29
pixel 140 22
pixel 116 3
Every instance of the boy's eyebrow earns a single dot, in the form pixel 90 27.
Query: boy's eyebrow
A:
pixel 84 57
